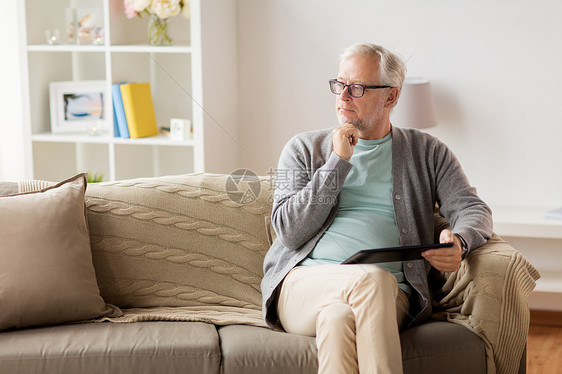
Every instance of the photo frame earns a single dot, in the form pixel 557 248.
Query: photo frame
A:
pixel 77 106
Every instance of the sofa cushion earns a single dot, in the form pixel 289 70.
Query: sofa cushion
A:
pixel 178 241
pixel 441 348
pixel 258 350
pixel 433 347
pixel 46 270
pixel 135 348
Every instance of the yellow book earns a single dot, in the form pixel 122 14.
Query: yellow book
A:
pixel 139 109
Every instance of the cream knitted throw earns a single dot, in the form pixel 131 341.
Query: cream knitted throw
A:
pixel 488 295
pixel 179 248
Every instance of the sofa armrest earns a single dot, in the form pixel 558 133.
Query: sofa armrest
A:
pixel 488 295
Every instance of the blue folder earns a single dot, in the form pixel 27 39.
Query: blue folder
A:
pixel 119 111
pixel 115 125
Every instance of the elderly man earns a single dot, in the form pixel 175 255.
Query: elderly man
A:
pixel 365 184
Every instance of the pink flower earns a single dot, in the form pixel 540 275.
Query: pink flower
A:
pixel 130 12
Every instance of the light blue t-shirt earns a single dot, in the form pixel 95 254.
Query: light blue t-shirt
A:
pixel 365 218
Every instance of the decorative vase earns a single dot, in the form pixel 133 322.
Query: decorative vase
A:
pixel 158 31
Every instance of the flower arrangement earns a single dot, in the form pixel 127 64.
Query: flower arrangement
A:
pixel 159 12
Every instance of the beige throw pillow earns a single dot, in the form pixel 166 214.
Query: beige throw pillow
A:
pixel 46 270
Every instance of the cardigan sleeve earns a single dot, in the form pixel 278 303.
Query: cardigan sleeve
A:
pixel 458 201
pixel 305 195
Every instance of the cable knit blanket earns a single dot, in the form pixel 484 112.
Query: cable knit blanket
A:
pixel 217 315
pixel 488 295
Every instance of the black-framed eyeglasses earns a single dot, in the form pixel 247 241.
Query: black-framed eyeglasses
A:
pixel 355 89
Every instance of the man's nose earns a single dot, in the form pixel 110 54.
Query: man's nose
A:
pixel 345 94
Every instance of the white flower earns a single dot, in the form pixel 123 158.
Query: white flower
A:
pixel 139 5
pixel 165 8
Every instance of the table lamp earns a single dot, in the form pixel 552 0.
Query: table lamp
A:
pixel 415 106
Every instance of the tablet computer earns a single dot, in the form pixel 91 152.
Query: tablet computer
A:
pixel 412 252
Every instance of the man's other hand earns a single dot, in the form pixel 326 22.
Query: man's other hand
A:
pixel 445 259
pixel 343 140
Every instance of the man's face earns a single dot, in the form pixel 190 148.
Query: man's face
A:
pixel 367 111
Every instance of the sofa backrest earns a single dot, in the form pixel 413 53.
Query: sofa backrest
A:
pixel 184 240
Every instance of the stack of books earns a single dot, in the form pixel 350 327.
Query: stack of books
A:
pixel 133 110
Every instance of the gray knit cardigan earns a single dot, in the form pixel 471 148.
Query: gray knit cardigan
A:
pixel 425 172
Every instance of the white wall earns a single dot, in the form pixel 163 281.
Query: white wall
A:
pixel 495 67
pixel 220 85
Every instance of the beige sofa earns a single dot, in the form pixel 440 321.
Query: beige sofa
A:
pixel 178 260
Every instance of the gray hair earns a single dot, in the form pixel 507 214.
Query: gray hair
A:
pixel 392 69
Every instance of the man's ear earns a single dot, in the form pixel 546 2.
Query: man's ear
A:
pixel 392 97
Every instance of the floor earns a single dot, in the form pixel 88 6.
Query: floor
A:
pixel 544 350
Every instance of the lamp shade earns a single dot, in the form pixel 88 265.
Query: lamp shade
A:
pixel 415 106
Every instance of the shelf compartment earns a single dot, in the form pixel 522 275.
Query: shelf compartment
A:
pixel 52 14
pixel 59 161
pixel 134 31
pixel 45 68
pixel 136 160
pixel 169 76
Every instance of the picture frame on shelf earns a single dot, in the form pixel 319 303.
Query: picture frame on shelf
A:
pixel 78 107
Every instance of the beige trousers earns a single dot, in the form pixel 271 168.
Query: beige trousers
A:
pixel 354 311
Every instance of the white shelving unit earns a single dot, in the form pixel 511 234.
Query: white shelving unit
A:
pixel 539 239
pixel 176 75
